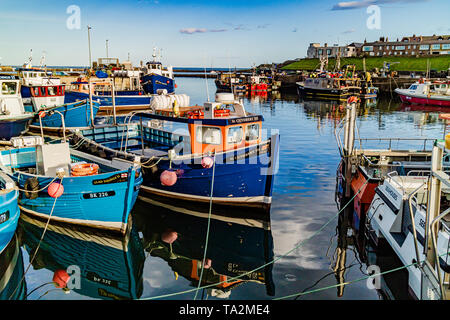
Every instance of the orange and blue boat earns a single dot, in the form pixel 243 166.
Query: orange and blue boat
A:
pixel 183 149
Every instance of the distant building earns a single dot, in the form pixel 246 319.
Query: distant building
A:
pixel 408 46
pixel 315 50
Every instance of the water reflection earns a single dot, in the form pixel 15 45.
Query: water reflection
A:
pixel 303 200
pixel 11 272
pixel 235 247
pixel 110 267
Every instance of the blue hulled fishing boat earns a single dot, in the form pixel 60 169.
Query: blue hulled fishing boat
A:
pixel 14 120
pixel 182 149
pixel 9 209
pixel 31 77
pixel 102 92
pixel 71 186
pixel 157 78
pixel 109 267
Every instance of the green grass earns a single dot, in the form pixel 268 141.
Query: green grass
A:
pixel 439 63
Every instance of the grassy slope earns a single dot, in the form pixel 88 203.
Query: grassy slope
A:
pixel 438 63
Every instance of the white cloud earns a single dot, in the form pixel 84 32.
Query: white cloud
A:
pixel 200 30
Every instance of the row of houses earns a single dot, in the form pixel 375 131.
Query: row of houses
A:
pixel 407 46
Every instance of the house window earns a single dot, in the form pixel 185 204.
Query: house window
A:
pixel 400 48
pixel 424 47
pixel 436 46
pixel 209 135
pixel 446 46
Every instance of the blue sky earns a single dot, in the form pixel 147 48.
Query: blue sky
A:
pixel 203 33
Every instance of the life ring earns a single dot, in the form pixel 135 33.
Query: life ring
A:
pixel 84 169
pixel 31 186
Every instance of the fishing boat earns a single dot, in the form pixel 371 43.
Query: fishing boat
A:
pixel 231 82
pixel 48 102
pixel 105 94
pixel 70 186
pixel 14 120
pixel 181 148
pixel 31 77
pixel 12 284
pixel 425 92
pixel 339 85
pixel 410 214
pixel 103 265
pixel 239 251
pixel 156 78
pixel 9 209
pixel 364 167
pixel 323 88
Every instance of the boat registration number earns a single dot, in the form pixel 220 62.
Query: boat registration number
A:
pixel 97 195
pixel 4 217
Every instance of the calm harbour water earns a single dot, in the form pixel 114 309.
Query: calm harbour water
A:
pixel 142 267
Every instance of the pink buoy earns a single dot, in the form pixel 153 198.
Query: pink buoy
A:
pixel 207 162
pixel 207 264
pixel 169 236
pixel 55 190
pixel 168 178
pixel 61 278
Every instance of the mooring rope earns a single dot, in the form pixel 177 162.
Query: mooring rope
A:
pixel 353 281
pixel 39 244
pixel 207 229
pixel 268 263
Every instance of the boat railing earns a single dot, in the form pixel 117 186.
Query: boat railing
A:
pixel 391 140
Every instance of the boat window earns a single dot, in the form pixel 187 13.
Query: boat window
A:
pixel 9 88
pixel 235 135
pixel 209 135
pixel 52 91
pixel 43 91
pixel 413 87
pixel 252 132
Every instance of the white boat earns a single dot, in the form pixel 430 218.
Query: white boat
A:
pixel 426 93
pixel 402 216
pixel 14 120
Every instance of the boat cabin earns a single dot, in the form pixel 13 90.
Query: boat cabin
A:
pixel 219 126
pixel 441 88
pixel 10 98
pixel 155 67
pixel 33 77
pixel 47 96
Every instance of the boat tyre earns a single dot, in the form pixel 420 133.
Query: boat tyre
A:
pixel 31 187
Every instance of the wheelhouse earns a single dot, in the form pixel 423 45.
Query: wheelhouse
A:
pixel 47 91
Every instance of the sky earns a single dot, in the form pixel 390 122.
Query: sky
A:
pixel 203 33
